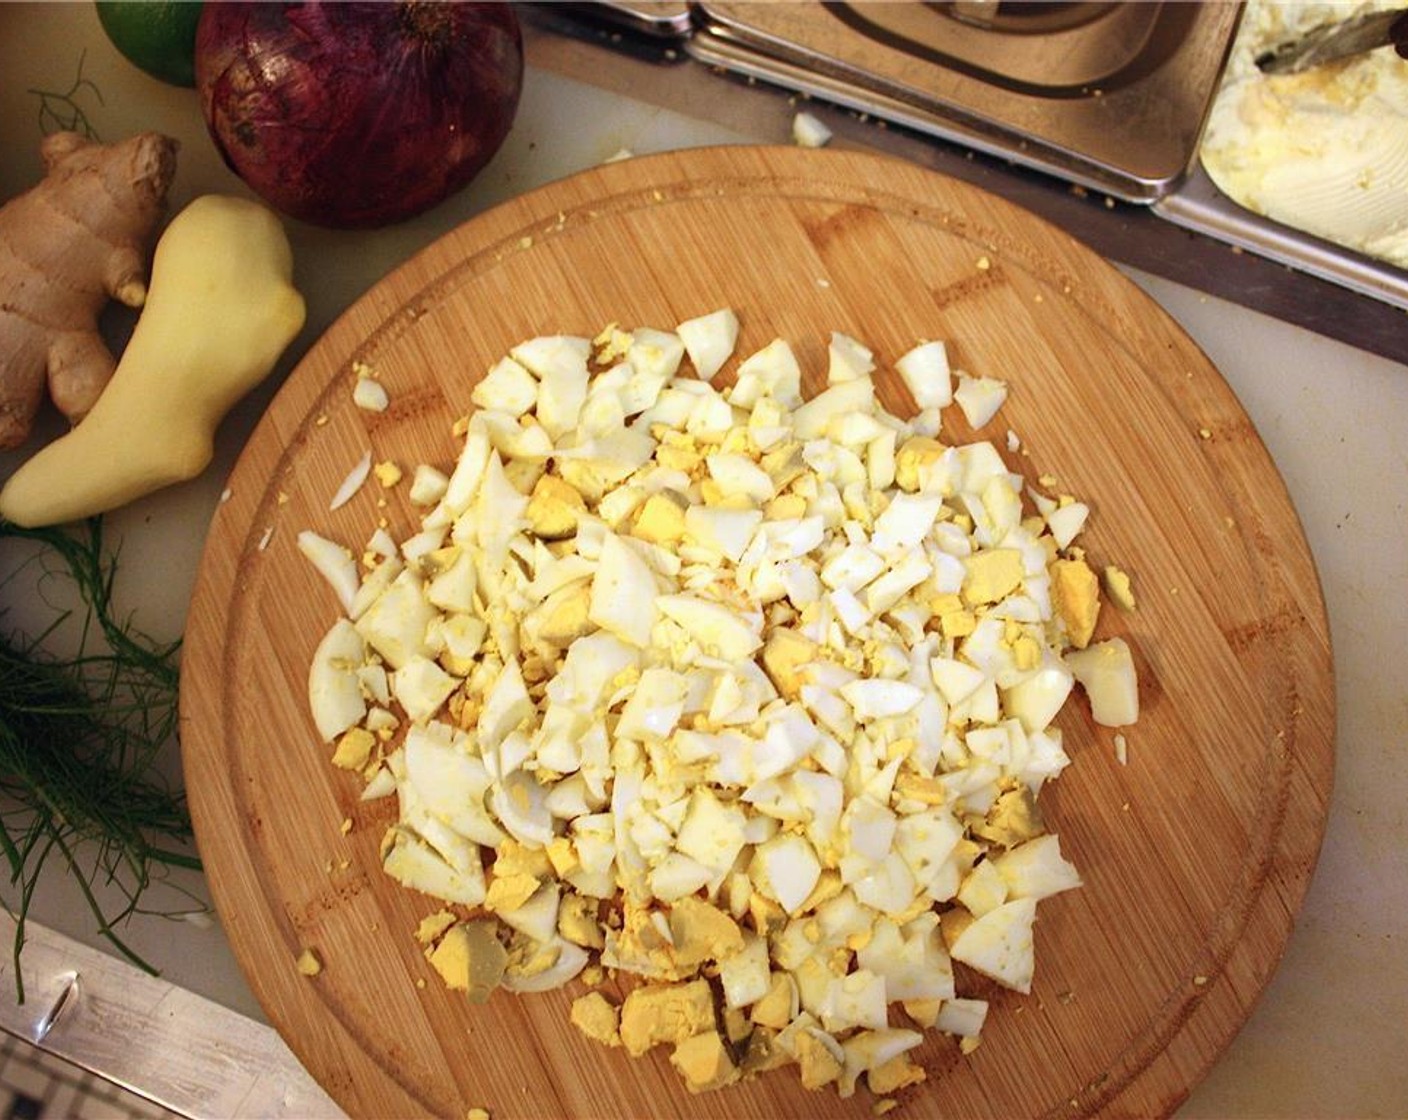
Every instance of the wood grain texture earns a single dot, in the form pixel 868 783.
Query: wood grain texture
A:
pixel 1195 855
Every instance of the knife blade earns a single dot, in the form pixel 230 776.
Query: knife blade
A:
pixel 1333 41
pixel 178 1049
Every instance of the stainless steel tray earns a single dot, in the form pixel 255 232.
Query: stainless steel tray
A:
pixel 1198 205
pixel 776 43
pixel 1111 95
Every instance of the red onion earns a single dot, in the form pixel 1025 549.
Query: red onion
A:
pixel 358 114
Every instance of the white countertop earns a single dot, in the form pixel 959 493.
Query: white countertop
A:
pixel 1326 1038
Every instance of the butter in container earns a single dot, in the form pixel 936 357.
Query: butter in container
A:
pixel 1324 151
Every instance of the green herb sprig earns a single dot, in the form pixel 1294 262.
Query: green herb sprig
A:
pixel 79 740
pixel 60 111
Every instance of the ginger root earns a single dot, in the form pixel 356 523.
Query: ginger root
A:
pixel 68 245
pixel 221 310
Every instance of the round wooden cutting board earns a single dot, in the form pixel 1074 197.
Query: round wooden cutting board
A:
pixel 1195 854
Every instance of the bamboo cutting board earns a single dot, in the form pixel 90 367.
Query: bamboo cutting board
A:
pixel 1195 854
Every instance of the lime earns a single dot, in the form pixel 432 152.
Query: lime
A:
pixel 158 36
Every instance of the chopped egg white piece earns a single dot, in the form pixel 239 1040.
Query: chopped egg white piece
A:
pixel 334 690
pixel 745 695
pixel 370 395
pixel 809 132
pixel 709 340
pixel 428 485
pixel 1106 672
pixel 333 562
pixel 999 944
pixel 1066 521
pixel 848 359
pixel 926 374
pixel 979 398
pixel 352 482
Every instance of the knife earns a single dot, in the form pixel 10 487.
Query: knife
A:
pixel 180 1050
pixel 1337 40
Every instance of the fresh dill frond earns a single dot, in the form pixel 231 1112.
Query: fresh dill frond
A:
pixel 80 736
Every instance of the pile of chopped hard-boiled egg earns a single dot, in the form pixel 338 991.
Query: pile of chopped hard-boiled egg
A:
pixel 741 698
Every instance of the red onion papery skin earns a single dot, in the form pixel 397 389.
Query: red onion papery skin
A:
pixel 358 115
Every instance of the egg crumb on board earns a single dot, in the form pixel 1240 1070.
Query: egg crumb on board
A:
pixel 388 473
pixel 1119 587
pixel 309 963
pixel 597 1018
pixel 740 698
